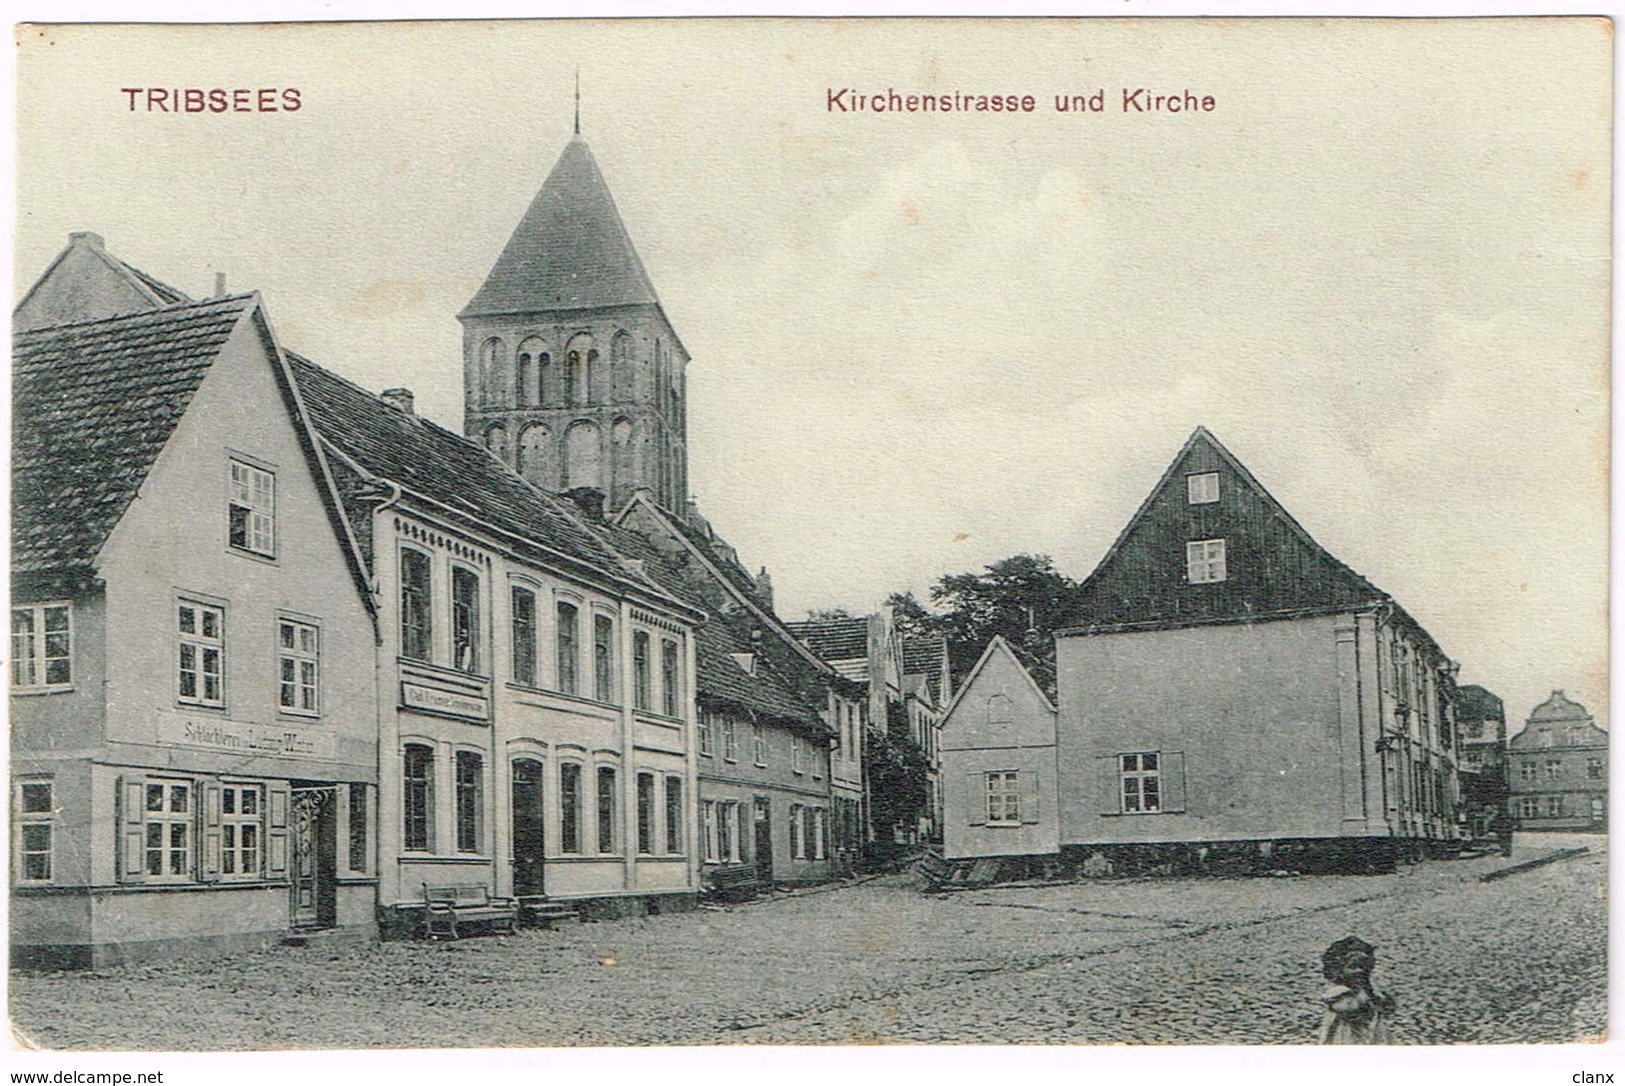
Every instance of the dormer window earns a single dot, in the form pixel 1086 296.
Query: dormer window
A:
pixel 1204 561
pixel 1203 488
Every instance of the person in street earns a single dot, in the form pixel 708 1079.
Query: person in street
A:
pixel 1503 831
pixel 1355 1013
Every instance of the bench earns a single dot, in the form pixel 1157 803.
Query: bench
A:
pixel 733 882
pixel 446 907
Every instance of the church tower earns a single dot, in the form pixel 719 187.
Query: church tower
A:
pixel 571 372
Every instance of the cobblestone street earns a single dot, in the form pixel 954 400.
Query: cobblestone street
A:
pixel 1216 961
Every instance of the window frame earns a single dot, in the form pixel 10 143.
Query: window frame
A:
pixel 646 812
pixel 39 646
pixel 298 656
pixel 603 658
pixel 670 680
pixel 415 621
pixel 707 738
pixel 1001 797
pixel 169 820
pixel 642 672
pixel 730 738
pixel 674 815
pixel 524 664
pixel 468 802
pixel 1140 776
pixel 1197 488
pixel 28 817
pixel 419 814
pixel 608 808
pixel 463 601
pixel 246 496
pixel 1206 561
pixel 567 647
pixel 201 645
pixel 570 808
pixel 234 825
pixel 758 739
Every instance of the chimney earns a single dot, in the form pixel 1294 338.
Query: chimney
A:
pixel 589 501
pixel 219 284
pixel 400 399
pixel 764 589
pixel 87 238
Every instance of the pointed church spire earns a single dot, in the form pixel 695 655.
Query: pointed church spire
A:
pixel 578 99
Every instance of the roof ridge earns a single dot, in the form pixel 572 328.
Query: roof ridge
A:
pixel 169 309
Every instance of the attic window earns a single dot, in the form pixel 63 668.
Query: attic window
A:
pixel 1203 488
pixel 252 509
pixel 1204 561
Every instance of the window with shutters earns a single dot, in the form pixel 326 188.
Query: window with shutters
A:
pixel 1142 783
pixel 1003 789
pixel 167 817
pixel 1204 561
pixel 42 647
pixel 470 808
pixel 417 626
pixel 641 686
pixel 570 807
pixel 646 813
pixel 524 636
pixel 569 652
pixel 603 658
pixel 1202 488
pixel 674 815
pixel 202 671
pixel 298 667
pixel 251 510
pixel 465 619
pixel 418 797
pixel 36 830
pixel 606 809
pixel 242 810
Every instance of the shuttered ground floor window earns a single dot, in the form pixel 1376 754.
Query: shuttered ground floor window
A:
pixel 186 830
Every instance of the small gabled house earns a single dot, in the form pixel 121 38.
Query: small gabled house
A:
pixel 193 712
pixel 1229 681
pixel 1557 768
pixel 999 763
pixel 780 776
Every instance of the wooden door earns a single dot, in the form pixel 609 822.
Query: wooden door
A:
pixel 764 842
pixel 528 851
pixel 315 858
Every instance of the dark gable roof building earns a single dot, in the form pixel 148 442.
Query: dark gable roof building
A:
pixel 1230 685
pixel 193 711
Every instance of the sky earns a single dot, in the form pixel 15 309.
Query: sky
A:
pixel 1377 270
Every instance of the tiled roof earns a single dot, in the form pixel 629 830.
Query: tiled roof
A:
pixel 1477 703
pixel 784 686
pixel 570 251
pixel 924 656
pixel 444 467
pixel 835 638
pixel 93 403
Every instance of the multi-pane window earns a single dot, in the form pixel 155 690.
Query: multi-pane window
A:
pixel 202 653
pixel 36 814
pixel 820 831
pixel 1554 768
pixel 417 626
pixel 642 696
pixel 728 832
pixel 1594 768
pixel 252 509
pixel 669 693
pixel 41 645
pixel 730 739
pixel 298 659
pixel 568 652
pixel 705 732
pixel 1529 807
pixel 758 740
pixel 798 849
pixel 241 809
pixel 606 809
pixel 524 636
pixel 168 819
pixel 470 770
pixel 1204 561
pixel 1554 806
pixel 603 657
pixel 1142 783
pixel 358 827
pixel 646 812
pixel 674 815
pixel 708 829
pixel 1003 797
pixel 1202 488
pixel 570 807
pixel 1527 771
pixel 419 798
pixel 465 619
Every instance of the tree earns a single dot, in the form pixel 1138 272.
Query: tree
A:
pixel 828 614
pixel 898 778
pixel 911 617
pixel 1023 599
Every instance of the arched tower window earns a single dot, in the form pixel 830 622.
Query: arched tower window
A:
pixel 583 456
pixel 491 383
pixel 496 439
pixel 530 355
pixel 545 380
pixel 579 357
pixel 621 372
pixel 536 461
pixel 622 468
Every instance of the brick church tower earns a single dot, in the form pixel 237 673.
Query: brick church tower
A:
pixel 572 373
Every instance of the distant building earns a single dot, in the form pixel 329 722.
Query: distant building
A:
pixel 1557 769
pixel 1230 689
pixel 1481 737
pixel 193 706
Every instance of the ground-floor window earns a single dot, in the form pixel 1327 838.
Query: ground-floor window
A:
pixel 708 829
pixel 646 813
pixel 1529 807
pixel 1554 806
pixel 674 815
pixel 606 809
pixel 798 848
pixel 36 821
pixel 728 832
pixel 167 817
pixel 418 794
pixel 240 832
pixel 818 832
pixel 470 774
pixel 1003 790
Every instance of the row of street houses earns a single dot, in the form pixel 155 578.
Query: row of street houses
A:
pixel 285 653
